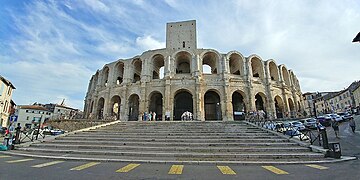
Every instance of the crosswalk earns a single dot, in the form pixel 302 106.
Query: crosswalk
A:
pixel 175 169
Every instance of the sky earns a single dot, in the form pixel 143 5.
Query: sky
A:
pixel 50 49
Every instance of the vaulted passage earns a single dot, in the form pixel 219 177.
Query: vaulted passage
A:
pixel 133 107
pixel 259 102
pixel 156 104
pixel 158 66
pixel 239 108
pixel 100 108
pixel 279 107
pixel 183 60
pixel 115 107
pixel 212 106
pixel 183 101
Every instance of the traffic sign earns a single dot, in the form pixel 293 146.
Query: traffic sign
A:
pixel 13 118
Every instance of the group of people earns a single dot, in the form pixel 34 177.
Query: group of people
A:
pixel 187 116
pixel 151 116
pixel 335 126
pixel 12 135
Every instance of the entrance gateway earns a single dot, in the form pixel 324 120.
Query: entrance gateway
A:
pixel 180 78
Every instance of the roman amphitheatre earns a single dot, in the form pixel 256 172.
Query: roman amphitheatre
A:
pixel 213 86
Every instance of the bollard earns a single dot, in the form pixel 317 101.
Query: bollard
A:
pixel 324 138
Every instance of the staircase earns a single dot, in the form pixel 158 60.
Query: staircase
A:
pixel 181 142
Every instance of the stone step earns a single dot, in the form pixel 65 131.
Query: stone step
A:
pixel 261 155
pixel 175 137
pixel 178 133
pixel 177 144
pixel 172 140
pixel 174 148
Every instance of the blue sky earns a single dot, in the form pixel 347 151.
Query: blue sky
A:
pixel 50 49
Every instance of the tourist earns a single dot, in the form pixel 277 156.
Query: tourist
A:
pixel 352 124
pixel 145 116
pixel 154 116
pixel 335 126
pixel 150 116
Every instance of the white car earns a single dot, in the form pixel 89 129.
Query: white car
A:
pixel 336 117
pixel 298 125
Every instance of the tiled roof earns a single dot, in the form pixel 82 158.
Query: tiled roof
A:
pixel 34 107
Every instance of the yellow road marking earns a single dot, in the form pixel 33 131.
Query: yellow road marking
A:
pixel 226 170
pixel 128 168
pixel 84 166
pixel 47 164
pixel 176 169
pixel 317 166
pixel 4 156
pixel 275 170
pixel 19 160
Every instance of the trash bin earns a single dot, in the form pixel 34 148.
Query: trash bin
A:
pixel 335 150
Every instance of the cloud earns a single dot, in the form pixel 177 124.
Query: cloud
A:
pixel 149 43
pixel 97 5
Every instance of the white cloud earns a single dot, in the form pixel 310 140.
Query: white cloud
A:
pixel 97 5
pixel 149 43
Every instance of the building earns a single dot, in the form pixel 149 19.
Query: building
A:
pixel 356 94
pixel 62 111
pixel 6 103
pixel 30 114
pixel 309 102
pixel 182 77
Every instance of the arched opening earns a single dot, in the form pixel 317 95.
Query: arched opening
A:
pixel 119 73
pixel 137 67
pixel 183 101
pixel 292 108
pixel 183 60
pixel 285 75
pixel 92 106
pixel 279 107
pixel 105 76
pixel 257 68
pixel 238 104
pixel 115 107
pixel 212 106
pixel 211 60
pixel 274 72
pixel 100 108
pixel 133 107
pixel 236 64
pixel 156 104
pixel 158 63
pixel 260 100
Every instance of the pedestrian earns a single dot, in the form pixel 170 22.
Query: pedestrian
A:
pixel 154 116
pixel 150 116
pixel 17 135
pixel 335 126
pixel 145 116
pixel 352 124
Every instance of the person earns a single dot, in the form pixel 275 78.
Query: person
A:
pixel 17 135
pixel 335 126
pixel 154 116
pixel 150 116
pixel 352 124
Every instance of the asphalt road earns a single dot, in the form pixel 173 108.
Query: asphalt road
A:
pixel 12 169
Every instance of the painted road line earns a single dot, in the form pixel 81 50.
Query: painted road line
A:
pixel 4 156
pixel 176 169
pixel 47 164
pixel 275 170
pixel 317 166
pixel 84 166
pixel 19 160
pixel 226 170
pixel 128 168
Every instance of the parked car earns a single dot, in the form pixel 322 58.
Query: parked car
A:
pixel 310 123
pixel 298 125
pixel 324 120
pixel 336 117
pixel 345 116
pixel 297 134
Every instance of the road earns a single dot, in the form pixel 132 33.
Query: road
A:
pixel 16 167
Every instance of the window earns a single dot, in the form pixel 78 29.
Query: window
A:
pixel 27 111
pixel 27 117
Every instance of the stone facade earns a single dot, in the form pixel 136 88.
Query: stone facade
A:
pixel 171 81
pixel 6 103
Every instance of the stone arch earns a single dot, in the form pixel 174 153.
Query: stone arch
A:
pixel 183 101
pixel 105 76
pixel 212 106
pixel 115 107
pixel 211 59
pixel 156 104
pixel 119 73
pixel 133 104
pixel 238 104
pixel 236 63
pixel 291 107
pixel 100 108
pixel 285 75
pixel 260 101
pixel 183 62
pixel 273 70
pixel 279 106
pixel 158 62
pixel 96 79
pixel 257 67
pixel 137 68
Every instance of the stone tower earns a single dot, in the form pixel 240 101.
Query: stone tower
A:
pixel 181 35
